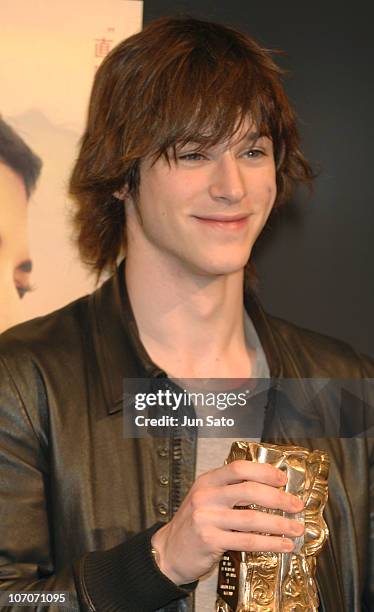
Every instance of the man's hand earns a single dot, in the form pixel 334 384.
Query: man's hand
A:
pixel 207 524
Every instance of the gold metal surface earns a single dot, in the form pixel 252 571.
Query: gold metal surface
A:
pixel 271 582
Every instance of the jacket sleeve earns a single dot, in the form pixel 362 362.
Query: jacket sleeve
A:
pixel 368 377
pixel 111 580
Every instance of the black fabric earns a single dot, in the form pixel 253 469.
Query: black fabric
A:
pixel 111 578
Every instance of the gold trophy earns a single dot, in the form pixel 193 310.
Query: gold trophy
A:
pixel 280 582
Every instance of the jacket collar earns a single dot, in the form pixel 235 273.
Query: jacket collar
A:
pixel 120 353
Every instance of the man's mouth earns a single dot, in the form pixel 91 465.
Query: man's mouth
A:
pixel 228 222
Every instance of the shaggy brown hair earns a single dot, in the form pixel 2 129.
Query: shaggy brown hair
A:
pixel 177 81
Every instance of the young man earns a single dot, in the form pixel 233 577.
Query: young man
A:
pixel 19 172
pixel 190 143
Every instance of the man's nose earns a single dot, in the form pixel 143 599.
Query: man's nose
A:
pixel 227 182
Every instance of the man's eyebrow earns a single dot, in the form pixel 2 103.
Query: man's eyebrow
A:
pixel 253 136
pixel 25 266
pixel 248 138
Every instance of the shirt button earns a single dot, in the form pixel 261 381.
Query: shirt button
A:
pixel 163 451
pixel 162 509
pixel 164 481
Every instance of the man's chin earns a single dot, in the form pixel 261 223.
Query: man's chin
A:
pixel 221 268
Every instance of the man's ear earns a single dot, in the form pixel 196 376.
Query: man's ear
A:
pixel 121 194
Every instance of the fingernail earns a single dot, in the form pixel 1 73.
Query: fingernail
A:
pixel 283 478
pixel 297 503
pixel 297 528
pixel 288 545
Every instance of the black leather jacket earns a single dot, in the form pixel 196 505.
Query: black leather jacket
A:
pixel 79 503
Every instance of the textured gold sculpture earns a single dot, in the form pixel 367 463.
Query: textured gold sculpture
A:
pixel 269 582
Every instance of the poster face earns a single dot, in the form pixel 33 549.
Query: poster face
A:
pixel 49 53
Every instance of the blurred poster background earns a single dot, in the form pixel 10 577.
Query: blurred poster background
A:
pixel 49 52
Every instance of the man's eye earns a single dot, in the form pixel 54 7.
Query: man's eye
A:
pixel 253 153
pixel 191 156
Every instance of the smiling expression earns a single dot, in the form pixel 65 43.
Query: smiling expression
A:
pixel 204 210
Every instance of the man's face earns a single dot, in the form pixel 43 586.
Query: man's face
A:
pixel 15 264
pixel 205 211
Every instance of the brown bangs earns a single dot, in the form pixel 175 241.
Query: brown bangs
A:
pixel 208 92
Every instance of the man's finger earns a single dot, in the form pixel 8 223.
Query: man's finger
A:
pixel 240 470
pixel 262 522
pixel 253 542
pixel 250 492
